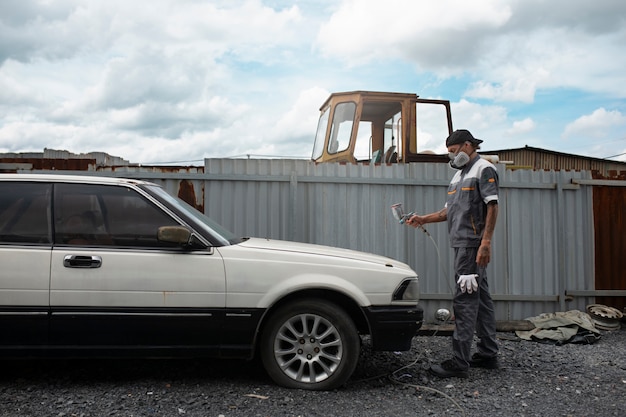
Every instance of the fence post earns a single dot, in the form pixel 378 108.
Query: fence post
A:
pixel 561 239
pixel 293 206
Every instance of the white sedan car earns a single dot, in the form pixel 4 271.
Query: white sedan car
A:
pixel 101 267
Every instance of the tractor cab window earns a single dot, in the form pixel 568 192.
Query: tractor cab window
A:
pixel 431 129
pixel 392 138
pixel 380 127
pixel 363 144
pixel 341 129
pixel 320 136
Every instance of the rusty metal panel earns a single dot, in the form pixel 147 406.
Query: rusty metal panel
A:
pixel 181 181
pixel 47 164
pixel 610 243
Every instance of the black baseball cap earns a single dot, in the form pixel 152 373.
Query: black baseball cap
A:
pixel 461 136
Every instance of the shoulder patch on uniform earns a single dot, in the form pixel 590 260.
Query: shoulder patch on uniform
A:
pixel 488 175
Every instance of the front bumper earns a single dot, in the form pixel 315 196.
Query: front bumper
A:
pixel 393 327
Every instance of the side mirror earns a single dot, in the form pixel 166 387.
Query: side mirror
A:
pixel 178 235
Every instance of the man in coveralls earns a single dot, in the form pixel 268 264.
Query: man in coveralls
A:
pixel 471 211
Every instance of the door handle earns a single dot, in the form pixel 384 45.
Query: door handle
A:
pixel 82 261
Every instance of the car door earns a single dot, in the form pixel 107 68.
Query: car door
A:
pixel 25 249
pixel 114 285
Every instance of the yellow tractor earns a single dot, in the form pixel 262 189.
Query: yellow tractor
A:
pixel 379 127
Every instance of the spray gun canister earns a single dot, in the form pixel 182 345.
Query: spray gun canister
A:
pixel 398 213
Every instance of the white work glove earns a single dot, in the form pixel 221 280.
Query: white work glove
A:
pixel 468 283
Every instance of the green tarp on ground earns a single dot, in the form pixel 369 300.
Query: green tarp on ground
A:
pixel 572 326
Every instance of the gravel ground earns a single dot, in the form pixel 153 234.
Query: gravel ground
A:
pixel 535 380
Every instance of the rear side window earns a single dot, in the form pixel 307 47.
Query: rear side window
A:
pixel 103 215
pixel 25 213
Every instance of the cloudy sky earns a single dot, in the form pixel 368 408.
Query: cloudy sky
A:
pixel 176 81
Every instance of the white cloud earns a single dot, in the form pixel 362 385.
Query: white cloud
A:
pixel 148 74
pixel 597 125
pixel 12 91
pixel 370 30
pixel 477 117
pixel 187 79
pixel 521 89
pixel 522 127
pixel 550 58
pixel 511 48
pixel 38 135
pixel 301 119
pixel 507 91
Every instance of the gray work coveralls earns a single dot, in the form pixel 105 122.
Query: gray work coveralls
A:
pixel 471 188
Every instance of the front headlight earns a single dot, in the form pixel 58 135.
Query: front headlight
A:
pixel 408 290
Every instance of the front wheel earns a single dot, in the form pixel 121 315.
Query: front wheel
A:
pixel 310 344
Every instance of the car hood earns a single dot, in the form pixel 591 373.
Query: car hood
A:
pixel 321 250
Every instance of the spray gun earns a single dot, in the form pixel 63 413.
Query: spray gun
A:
pixel 398 213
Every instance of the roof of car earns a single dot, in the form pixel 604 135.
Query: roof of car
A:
pixel 83 179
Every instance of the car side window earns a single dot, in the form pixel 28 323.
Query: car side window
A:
pixel 103 215
pixel 24 212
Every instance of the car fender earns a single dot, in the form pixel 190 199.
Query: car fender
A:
pixel 309 281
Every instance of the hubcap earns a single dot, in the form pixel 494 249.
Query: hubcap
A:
pixel 308 348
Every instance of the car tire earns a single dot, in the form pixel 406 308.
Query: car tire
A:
pixel 310 344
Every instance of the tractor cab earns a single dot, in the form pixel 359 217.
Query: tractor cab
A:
pixel 377 127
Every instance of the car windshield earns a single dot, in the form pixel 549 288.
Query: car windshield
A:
pixel 209 225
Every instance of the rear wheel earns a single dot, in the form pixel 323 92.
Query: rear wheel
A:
pixel 310 344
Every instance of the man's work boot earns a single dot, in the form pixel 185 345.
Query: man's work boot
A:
pixel 448 369
pixel 487 362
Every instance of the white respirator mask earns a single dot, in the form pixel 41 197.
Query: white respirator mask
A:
pixel 458 160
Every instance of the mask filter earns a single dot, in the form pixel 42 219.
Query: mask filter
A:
pixel 458 160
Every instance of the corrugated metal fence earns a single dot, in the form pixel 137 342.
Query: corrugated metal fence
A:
pixel 543 245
